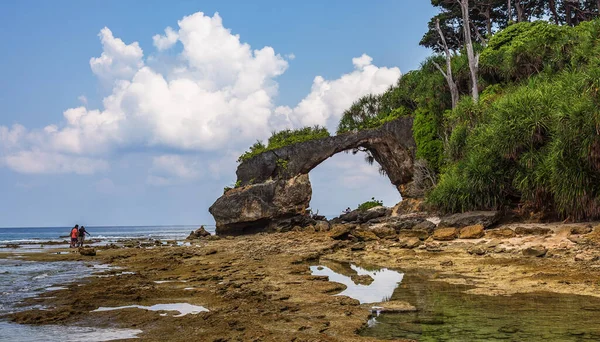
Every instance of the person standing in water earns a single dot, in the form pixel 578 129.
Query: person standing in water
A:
pixel 74 235
pixel 81 236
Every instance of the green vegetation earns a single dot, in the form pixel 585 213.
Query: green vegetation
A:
pixel 370 204
pixel 531 140
pixel 285 138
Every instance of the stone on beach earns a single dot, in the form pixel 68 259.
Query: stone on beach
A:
pixel 472 232
pixel 445 234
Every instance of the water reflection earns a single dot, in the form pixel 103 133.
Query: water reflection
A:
pixel 384 283
pixel 446 313
pixel 182 308
pixel 47 333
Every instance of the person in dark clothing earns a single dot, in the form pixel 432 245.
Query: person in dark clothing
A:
pixel 81 236
pixel 74 236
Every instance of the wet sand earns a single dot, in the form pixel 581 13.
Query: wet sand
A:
pixel 260 288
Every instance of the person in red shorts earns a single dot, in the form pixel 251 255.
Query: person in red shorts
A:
pixel 74 236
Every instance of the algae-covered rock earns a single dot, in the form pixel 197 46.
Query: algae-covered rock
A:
pixel 364 235
pixel 87 251
pixel 198 234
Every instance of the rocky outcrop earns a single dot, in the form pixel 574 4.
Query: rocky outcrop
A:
pixel 274 190
pixel 198 234
pixel 257 207
pixel 470 218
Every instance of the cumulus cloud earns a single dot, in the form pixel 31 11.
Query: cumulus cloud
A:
pixel 216 95
pixel 118 60
pixel 167 41
pixel 328 99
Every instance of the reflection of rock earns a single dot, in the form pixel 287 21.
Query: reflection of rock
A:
pixel 394 306
pixel 364 279
pixel 274 185
pixel 484 218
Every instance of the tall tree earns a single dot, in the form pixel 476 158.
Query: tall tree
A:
pixel 448 73
pixel 473 59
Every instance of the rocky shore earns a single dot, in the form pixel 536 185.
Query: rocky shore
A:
pixel 260 288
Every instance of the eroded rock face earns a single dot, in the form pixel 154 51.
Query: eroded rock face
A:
pixel 275 190
pixel 257 207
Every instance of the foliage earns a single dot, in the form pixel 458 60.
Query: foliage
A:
pixel 540 146
pixel 370 204
pixel 285 138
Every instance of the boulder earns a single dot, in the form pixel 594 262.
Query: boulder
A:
pixel 409 242
pixel 580 230
pixel 322 226
pixel 425 225
pixel 535 251
pixel 500 233
pixel 445 234
pixel 373 213
pixel 484 218
pixel 87 251
pixel 256 207
pixel 471 232
pixel 404 223
pixel 364 235
pixel 341 231
pixel 586 257
pixel 476 250
pixel 198 234
pixel 533 231
pixel 351 216
pixel 384 232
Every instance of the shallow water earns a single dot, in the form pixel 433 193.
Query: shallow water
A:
pixel 384 283
pixel 447 313
pixel 10 332
pixel 23 279
pixel 182 308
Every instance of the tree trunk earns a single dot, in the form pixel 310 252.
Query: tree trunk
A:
pixel 552 5
pixel 519 11
pixel 510 12
pixel 448 74
pixel 473 60
pixel 568 14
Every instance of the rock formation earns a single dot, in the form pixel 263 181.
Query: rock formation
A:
pixel 274 188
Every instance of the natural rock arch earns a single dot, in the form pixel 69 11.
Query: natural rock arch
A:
pixel 274 190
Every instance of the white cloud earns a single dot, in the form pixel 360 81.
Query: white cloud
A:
pixel 217 94
pixel 167 41
pixel 291 56
pixel 42 162
pixel 328 99
pixel 118 60
pixel 170 169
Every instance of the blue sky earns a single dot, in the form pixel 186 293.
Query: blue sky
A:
pixel 99 130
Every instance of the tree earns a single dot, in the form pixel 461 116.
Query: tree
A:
pixel 448 73
pixel 473 59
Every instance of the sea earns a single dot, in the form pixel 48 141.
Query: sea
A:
pixel 106 234
pixel 21 279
